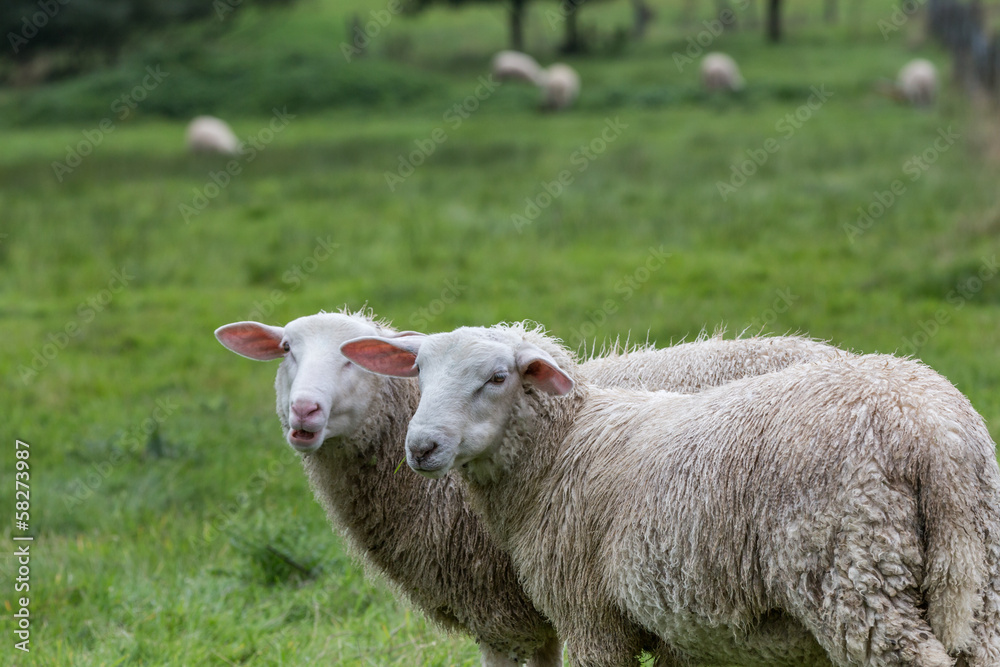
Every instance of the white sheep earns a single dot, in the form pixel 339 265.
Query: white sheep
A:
pixel 516 65
pixel 917 82
pixel 208 134
pixel 454 573
pixel 720 72
pixel 560 86
pixel 843 512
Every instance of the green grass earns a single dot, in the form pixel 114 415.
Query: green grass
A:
pixel 173 525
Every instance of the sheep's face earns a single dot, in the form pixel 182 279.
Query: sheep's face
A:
pixel 320 393
pixel 470 381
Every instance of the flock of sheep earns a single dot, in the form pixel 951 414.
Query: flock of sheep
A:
pixel 559 84
pixel 758 501
pixel 916 83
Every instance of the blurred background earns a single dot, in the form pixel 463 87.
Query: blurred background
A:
pixel 376 157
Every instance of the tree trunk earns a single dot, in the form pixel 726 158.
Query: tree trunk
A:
pixel 642 15
pixel 774 21
pixel 830 11
pixel 572 42
pixel 517 24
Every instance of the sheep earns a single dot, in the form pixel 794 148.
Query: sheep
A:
pixel 706 362
pixel 560 86
pixel 720 72
pixel 844 512
pixel 209 134
pixel 917 82
pixel 464 582
pixel 516 65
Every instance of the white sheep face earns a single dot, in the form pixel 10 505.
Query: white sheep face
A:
pixel 470 380
pixel 320 393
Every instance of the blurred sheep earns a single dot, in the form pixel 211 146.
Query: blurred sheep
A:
pixel 516 65
pixel 720 72
pixel 917 82
pixel 208 134
pixel 560 85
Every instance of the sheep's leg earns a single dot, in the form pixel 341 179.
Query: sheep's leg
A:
pixel 879 632
pixel 986 650
pixel 869 613
pixel 864 605
pixel 493 658
pixel 548 655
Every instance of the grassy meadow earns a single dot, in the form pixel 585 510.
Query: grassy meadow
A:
pixel 172 524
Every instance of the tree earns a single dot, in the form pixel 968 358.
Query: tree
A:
pixel 102 26
pixel 774 20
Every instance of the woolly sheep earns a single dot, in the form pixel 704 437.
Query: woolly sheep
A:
pixel 917 82
pixel 843 512
pixel 560 86
pixel 463 582
pixel 720 72
pixel 516 65
pixel 209 134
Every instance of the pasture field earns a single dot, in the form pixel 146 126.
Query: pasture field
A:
pixel 172 524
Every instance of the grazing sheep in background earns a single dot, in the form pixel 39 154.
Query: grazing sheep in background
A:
pixel 560 86
pixel 516 65
pixel 917 82
pixel 451 569
pixel 845 511
pixel 208 134
pixel 719 72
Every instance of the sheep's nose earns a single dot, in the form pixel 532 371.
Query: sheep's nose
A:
pixel 303 410
pixel 423 450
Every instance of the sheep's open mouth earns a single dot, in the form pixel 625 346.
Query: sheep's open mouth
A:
pixel 304 436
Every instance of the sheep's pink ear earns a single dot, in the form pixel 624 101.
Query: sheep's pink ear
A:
pixel 538 368
pixel 396 357
pixel 252 340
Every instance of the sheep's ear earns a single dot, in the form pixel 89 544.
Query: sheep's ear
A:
pixel 396 357
pixel 539 369
pixel 252 340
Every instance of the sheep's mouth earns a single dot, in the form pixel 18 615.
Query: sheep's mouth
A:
pixel 304 440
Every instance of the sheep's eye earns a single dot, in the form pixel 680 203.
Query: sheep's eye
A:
pixel 498 378
pixel 286 347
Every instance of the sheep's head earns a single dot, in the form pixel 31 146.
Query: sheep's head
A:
pixel 470 382
pixel 320 393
